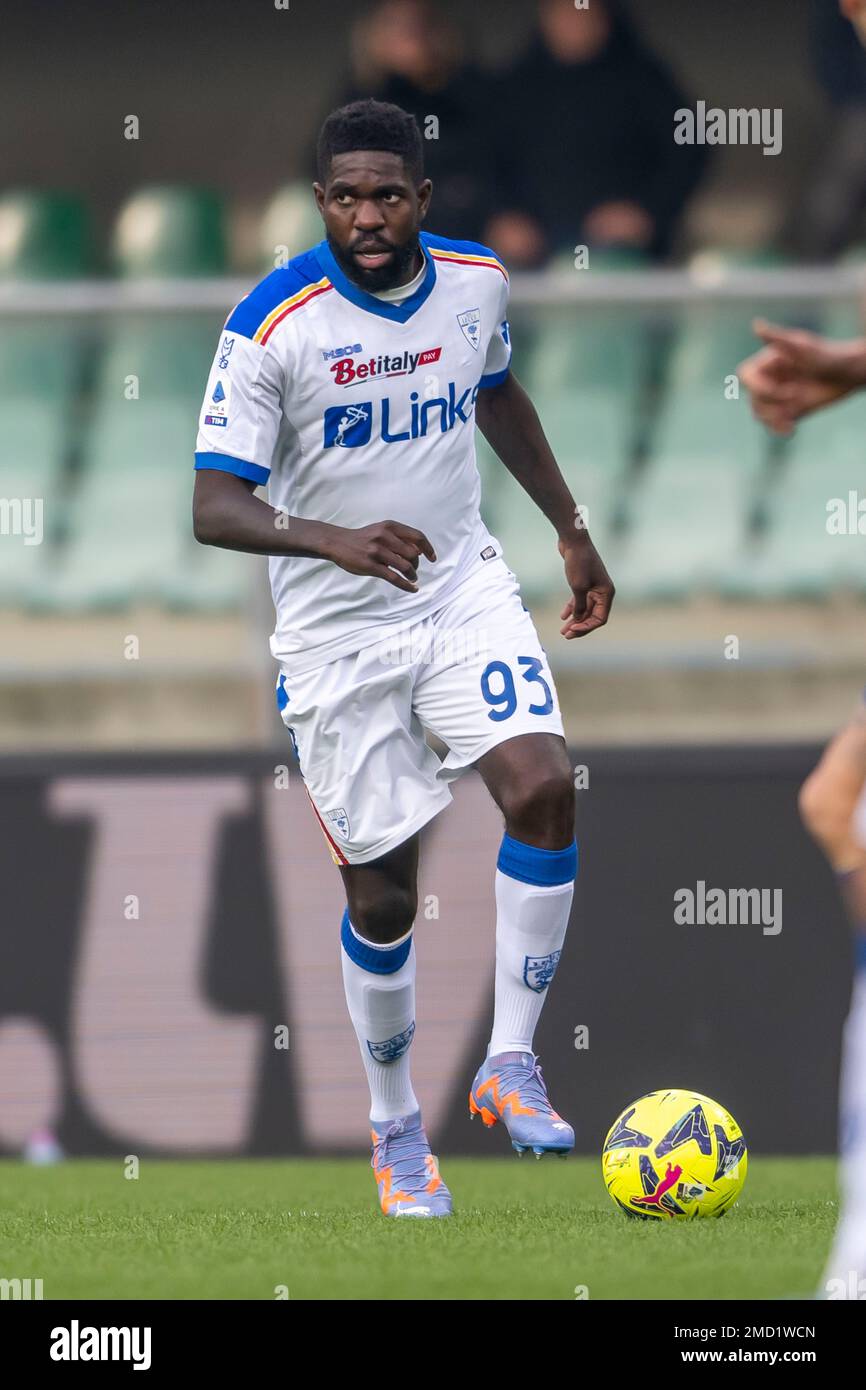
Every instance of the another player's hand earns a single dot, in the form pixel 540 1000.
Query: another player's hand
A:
pixel 387 550
pixel 799 372
pixel 591 587
pixel 855 10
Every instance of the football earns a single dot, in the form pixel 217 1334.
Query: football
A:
pixel 674 1155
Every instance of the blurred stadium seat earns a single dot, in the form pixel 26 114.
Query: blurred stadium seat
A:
pixel 290 223
pixel 141 431
pixel 43 237
pixel 170 231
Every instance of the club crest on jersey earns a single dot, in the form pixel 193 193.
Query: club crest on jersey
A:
pixel 348 426
pixel 470 326
pixel 538 971
pixel 339 820
pixel 392 1048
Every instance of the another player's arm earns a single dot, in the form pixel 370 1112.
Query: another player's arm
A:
pixel 798 372
pixel 227 513
pixel 510 424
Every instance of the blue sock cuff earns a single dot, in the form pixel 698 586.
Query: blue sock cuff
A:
pixel 379 960
pixel 544 867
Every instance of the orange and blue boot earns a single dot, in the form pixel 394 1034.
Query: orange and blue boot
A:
pixel 406 1172
pixel 510 1088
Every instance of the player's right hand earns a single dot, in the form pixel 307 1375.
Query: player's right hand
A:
pixel 387 550
pixel 798 372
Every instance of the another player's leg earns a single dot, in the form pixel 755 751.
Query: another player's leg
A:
pixel 530 779
pixel 834 811
pixel 379 976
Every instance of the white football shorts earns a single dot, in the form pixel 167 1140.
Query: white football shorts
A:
pixel 473 673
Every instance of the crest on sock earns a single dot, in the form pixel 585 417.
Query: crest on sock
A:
pixel 392 1048
pixel 538 971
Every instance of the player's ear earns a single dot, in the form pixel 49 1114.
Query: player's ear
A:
pixel 423 193
pixel 319 195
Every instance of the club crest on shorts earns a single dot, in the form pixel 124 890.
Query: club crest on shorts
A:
pixel 392 1048
pixel 470 326
pixel 339 820
pixel 538 971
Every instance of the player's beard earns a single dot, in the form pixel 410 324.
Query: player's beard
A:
pixel 385 277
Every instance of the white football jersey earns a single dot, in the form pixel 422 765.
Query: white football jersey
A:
pixel 355 410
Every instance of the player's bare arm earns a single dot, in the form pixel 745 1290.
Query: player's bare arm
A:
pixel 510 424
pixel 798 372
pixel 227 513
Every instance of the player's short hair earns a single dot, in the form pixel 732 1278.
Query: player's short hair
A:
pixel 371 125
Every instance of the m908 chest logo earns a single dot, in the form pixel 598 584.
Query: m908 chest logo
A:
pixel 350 426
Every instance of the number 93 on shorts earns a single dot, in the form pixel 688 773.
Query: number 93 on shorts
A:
pixel 473 673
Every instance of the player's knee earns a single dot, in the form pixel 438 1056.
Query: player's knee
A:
pixel 386 917
pixel 542 806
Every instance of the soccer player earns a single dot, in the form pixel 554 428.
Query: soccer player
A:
pixel 794 374
pixel 351 381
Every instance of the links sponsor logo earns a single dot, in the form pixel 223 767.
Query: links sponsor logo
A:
pixel 346 371
pixel 350 426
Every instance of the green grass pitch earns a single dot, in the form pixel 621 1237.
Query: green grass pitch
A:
pixel 229 1229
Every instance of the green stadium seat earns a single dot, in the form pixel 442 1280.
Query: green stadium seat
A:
pixel 43 236
pixel 211 580
pixel 529 541
pixel 799 557
pixel 290 224
pixel 129 521
pixel 687 530
pixel 170 231
pixel 701 429
pixel 581 347
pixel 587 428
pixel 169 355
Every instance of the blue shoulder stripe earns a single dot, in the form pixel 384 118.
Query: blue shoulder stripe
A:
pixel 251 312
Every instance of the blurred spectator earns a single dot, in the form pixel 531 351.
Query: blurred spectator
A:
pixel 829 213
pixel 585 141
pixel 407 52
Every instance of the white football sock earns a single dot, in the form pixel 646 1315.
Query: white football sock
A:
pixel 531 922
pixel 380 992
pixel 845 1275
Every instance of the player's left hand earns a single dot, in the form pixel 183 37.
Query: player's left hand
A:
pixel 591 587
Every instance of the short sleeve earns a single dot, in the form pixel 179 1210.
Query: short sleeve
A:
pixel 498 359
pixel 242 409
